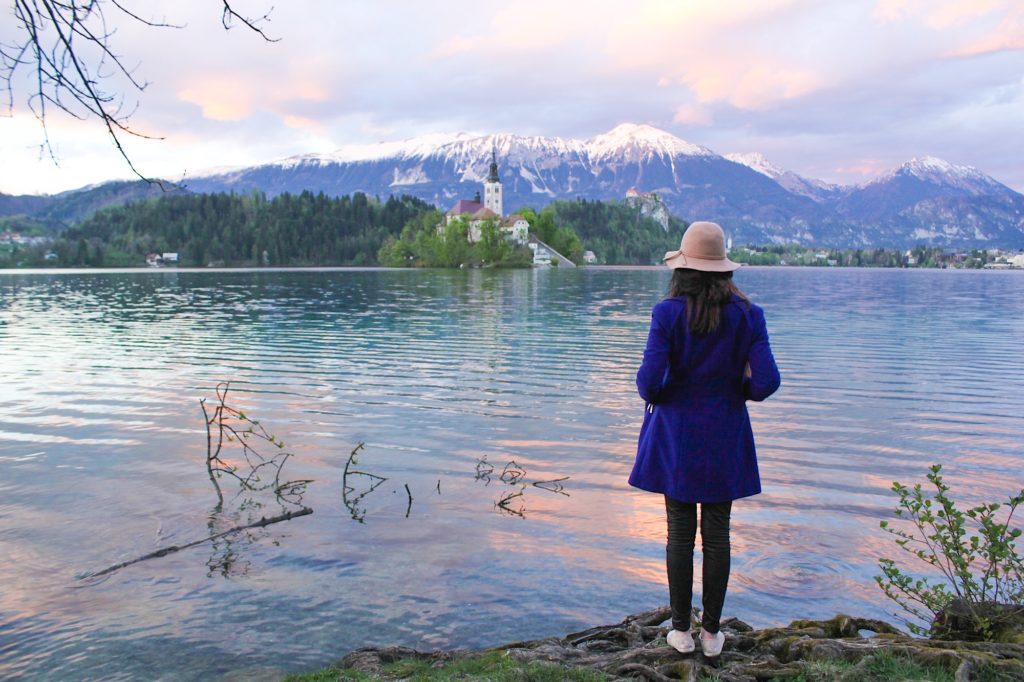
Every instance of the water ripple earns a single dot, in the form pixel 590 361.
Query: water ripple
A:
pixel 102 440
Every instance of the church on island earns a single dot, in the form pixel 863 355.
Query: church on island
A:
pixel 476 212
pixel 515 227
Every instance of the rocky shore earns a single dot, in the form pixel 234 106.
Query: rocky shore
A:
pixel 842 648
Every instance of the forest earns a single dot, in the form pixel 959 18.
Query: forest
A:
pixel 617 232
pixel 318 230
pixel 234 230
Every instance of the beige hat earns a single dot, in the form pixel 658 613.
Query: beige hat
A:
pixel 702 248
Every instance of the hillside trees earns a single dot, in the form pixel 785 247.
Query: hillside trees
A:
pixel 561 238
pixel 615 231
pixel 307 229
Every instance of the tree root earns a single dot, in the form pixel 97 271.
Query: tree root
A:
pixel 636 649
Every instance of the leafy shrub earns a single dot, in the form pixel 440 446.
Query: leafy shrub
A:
pixel 975 553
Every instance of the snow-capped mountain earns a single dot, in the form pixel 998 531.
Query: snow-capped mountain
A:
pixel 926 200
pixel 634 142
pixel 929 169
pixel 798 184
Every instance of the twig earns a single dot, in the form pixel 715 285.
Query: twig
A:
pixel 67 48
pixel 484 470
pixel 554 485
pixel 226 424
pixel 409 507
pixel 164 551
pixel 353 504
pixel 230 14
pixel 512 473
pixel 503 504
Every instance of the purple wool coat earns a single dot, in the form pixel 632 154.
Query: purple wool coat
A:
pixel 696 444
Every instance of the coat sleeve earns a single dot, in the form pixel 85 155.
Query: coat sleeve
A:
pixel 764 373
pixel 651 376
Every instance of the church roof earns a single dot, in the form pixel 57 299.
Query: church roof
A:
pixel 484 214
pixel 465 206
pixel 513 219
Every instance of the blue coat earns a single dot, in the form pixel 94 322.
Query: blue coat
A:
pixel 695 443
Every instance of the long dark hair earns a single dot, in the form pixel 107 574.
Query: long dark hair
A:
pixel 706 293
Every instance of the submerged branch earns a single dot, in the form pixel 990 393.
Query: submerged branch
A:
pixel 164 551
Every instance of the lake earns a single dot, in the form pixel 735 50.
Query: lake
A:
pixel 443 375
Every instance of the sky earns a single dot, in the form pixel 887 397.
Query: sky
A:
pixel 840 91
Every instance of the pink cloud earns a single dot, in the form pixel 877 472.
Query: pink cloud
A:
pixel 865 168
pixel 938 15
pixel 221 98
pixel 720 52
pixel 1009 35
pixel 689 114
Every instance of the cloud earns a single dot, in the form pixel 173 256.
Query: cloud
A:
pixel 716 51
pixel 301 122
pixel 816 86
pixel 527 26
pixel 689 114
pixel 220 98
pixel 938 14
pixel 865 168
pixel 1008 35
pixel 978 27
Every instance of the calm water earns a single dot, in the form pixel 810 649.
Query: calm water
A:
pixel 102 448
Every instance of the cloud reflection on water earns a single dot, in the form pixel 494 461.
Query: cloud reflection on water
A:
pixel 434 370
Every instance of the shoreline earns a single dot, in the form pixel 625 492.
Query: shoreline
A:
pixel 381 268
pixel 841 648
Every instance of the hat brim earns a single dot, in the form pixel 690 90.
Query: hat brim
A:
pixel 676 259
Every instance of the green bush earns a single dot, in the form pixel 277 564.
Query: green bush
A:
pixel 982 572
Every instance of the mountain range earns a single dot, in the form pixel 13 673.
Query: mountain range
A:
pixel 924 201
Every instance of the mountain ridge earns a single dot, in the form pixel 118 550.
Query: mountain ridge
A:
pixel 925 201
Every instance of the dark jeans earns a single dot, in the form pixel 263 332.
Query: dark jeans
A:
pixel 714 536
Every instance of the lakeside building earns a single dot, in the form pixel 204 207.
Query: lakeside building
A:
pixel 158 260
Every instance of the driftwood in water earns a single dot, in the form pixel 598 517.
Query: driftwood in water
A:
pixel 352 503
pixel 164 551
pixel 262 471
pixel 513 474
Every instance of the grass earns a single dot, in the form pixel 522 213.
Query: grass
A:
pixel 496 666
pixel 492 666
pixel 881 666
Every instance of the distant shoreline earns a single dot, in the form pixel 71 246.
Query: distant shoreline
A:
pixel 381 268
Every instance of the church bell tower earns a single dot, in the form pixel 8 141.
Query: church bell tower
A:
pixel 492 187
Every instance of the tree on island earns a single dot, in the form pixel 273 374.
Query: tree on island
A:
pixel 561 238
pixel 428 241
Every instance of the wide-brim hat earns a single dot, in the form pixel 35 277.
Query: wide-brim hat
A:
pixel 702 248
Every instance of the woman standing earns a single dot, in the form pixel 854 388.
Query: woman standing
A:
pixel 707 354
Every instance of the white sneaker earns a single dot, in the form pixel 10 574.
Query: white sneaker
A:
pixel 712 646
pixel 681 641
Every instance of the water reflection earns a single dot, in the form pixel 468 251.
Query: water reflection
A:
pixel 434 371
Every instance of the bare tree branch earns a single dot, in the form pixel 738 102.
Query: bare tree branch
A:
pixel 230 14
pixel 69 47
